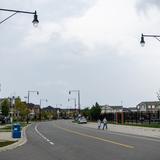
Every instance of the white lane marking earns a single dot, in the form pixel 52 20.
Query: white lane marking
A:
pixel 51 143
pixel 43 136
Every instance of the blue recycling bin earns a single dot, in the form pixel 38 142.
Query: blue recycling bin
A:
pixel 16 130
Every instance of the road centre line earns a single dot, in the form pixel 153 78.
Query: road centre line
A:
pixel 135 136
pixel 95 137
pixel 36 129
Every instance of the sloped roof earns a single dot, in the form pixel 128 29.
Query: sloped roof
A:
pixel 112 107
pixel 116 107
pixel 49 108
pixel 150 103
pixel 33 106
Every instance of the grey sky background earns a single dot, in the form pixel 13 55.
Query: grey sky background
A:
pixel 90 45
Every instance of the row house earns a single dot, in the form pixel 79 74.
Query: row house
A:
pixel 150 106
pixel 34 111
pixel 111 109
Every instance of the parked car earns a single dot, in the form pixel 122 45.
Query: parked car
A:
pixel 82 120
pixel 4 120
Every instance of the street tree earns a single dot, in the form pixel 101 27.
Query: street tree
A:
pixel 86 112
pixel 95 111
pixel 21 108
pixel 5 107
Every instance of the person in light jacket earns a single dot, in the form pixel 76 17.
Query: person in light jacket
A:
pixel 99 123
pixel 104 123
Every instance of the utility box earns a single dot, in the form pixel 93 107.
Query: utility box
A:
pixel 16 130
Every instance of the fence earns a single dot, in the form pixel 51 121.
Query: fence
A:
pixel 133 117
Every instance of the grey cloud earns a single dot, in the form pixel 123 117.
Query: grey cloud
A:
pixel 60 64
pixel 142 5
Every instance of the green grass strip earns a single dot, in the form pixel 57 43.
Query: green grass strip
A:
pixel 6 143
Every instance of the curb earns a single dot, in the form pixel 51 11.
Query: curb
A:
pixel 19 143
pixel 140 131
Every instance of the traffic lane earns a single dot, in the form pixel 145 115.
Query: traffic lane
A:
pixel 133 140
pixel 69 145
pixel 77 147
pixel 143 148
pixel 69 125
pixel 36 148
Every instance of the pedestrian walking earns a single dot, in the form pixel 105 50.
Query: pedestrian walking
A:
pixel 99 123
pixel 104 123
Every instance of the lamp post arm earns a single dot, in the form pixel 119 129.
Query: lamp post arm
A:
pixel 35 17
pixel 74 91
pixel 148 35
pixel 17 11
pixel 142 42
pixel 33 92
pixel 157 38
pixel 8 17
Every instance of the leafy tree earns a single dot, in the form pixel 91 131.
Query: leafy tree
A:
pixel 21 108
pixel 5 107
pixel 86 112
pixel 95 111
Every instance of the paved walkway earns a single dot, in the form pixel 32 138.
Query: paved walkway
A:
pixel 141 131
pixel 4 136
pixel 7 136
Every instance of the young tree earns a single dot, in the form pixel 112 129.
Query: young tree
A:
pixel 21 108
pixel 86 112
pixel 95 111
pixel 5 107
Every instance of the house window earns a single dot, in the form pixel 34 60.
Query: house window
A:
pixel 153 106
pixel 149 106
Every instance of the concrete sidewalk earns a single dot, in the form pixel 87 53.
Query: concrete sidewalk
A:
pixel 134 130
pixel 7 136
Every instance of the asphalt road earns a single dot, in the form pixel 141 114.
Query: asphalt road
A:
pixel 64 140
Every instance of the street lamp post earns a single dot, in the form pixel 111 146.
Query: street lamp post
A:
pixel 58 110
pixel 142 42
pixel 45 100
pixel 74 99
pixel 12 108
pixel 32 92
pixel 35 17
pixel 78 92
pixel 28 100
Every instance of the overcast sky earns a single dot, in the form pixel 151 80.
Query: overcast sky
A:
pixel 87 45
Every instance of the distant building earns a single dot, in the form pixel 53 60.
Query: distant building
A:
pixel 1 100
pixel 50 112
pixel 130 109
pixel 34 110
pixel 68 112
pixel 50 109
pixel 151 106
pixel 111 109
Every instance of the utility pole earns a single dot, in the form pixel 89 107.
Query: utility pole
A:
pixel 79 105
